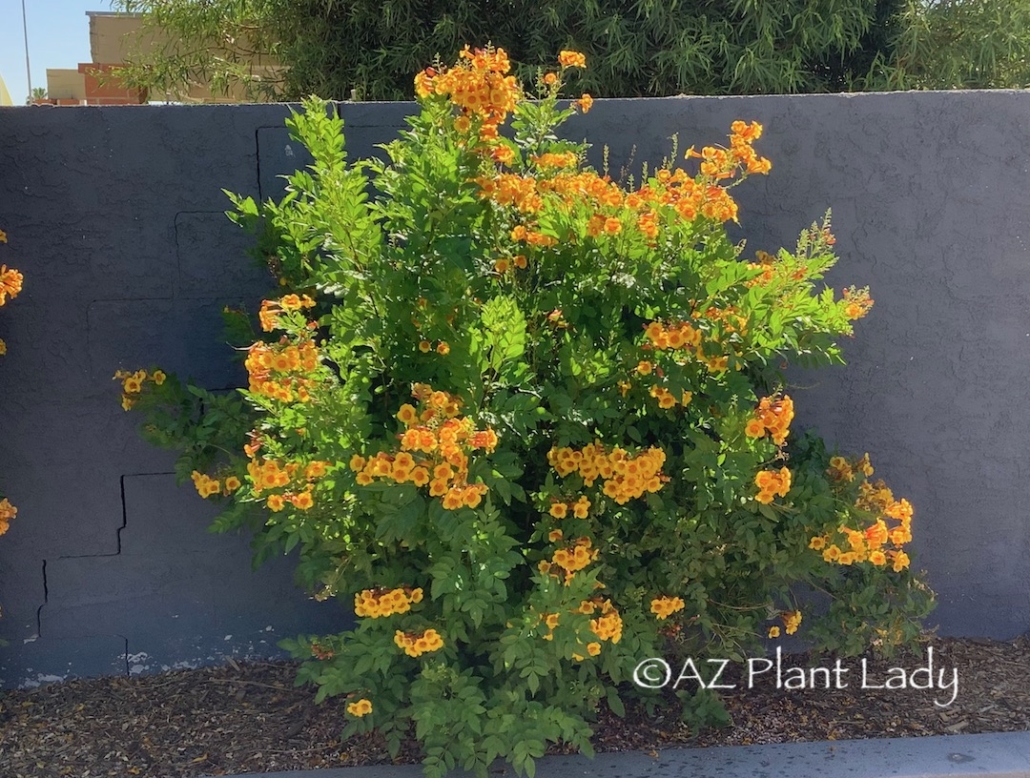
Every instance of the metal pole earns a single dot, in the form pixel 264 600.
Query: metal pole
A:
pixel 25 29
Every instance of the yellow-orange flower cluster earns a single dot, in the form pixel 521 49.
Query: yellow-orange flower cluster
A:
pixel 268 474
pixel 721 163
pixel 132 384
pixel 380 603
pixel 773 416
pixel 319 651
pixel 879 496
pixel 683 337
pixel 522 234
pixel 576 557
pixel 667 399
pixel 553 160
pixel 580 509
pixel 625 477
pixel 360 708
pixel 663 607
pixel 510 189
pixel 593 649
pixel 575 188
pixel 672 191
pixel 857 302
pixel 270 311
pixel 609 625
pixel 10 283
pixel 689 197
pixel 850 546
pixel 551 620
pixel 572 59
pixel 436 432
pixel 503 265
pixel 288 363
pixel 729 318
pixel 477 85
pixel 7 512
pixel 206 486
pixel 765 263
pixel 771 483
pixel 791 621
pixel 842 470
pixel 572 190
pixel 436 405
pixel 415 644
pixel 679 335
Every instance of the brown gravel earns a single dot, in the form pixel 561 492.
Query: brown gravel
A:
pixel 248 717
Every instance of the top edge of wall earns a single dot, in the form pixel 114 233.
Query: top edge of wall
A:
pixel 920 93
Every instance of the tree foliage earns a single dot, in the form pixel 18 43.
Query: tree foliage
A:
pixel 964 44
pixel 368 48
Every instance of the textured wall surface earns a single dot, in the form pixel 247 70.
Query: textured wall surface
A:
pixel 115 216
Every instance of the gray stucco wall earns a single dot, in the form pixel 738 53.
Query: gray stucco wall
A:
pixel 115 216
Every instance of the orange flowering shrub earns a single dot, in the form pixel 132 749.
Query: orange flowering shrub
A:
pixel 10 286
pixel 530 421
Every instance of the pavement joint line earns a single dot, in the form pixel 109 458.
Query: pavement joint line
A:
pixel 992 755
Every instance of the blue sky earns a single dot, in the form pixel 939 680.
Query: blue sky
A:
pixel 58 38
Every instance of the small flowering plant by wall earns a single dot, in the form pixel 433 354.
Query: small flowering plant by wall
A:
pixel 530 421
pixel 10 286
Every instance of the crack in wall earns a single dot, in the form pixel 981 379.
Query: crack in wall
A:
pixel 125 519
pixel 46 587
pixel 257 163
pixel 126 654
pixel 118 541
pixel 125 514
pixel 39 610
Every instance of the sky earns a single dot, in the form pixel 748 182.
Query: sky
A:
pixel 58 38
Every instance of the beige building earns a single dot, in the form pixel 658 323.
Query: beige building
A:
pixel 113 39
pixel 5 96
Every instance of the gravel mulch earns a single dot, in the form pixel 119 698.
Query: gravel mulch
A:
pixel 248 717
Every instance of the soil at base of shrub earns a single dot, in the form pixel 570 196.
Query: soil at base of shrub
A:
pixel 248 716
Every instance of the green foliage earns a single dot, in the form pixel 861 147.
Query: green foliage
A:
pixel 184 45
pixel 966 44
pixel 636 48
pixel 532 425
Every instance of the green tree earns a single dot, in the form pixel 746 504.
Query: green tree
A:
pixel 962 44
pixel 370 48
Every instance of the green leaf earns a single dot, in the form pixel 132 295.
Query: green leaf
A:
pixel 615 702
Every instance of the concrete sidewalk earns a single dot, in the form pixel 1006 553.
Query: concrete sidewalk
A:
pixel 1002 755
